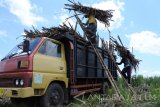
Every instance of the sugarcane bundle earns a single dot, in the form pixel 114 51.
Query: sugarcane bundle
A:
pixel 103 16
pixel 50 32
pixel 124 52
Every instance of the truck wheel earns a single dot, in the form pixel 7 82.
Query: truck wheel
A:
pixel 54 96
pixel 105 88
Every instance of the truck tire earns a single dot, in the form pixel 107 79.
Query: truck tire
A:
pixel 54 96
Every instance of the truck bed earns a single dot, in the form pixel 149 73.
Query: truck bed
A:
pixel 86 63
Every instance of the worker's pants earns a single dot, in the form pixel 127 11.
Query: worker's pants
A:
pixel 128 71
pixel 91 31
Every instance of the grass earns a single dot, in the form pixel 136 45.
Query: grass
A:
pixel 5 103
pixel 147 95
pixel 147 89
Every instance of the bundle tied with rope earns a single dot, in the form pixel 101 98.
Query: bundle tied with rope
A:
pixel 104 16
pixel 50 32
pixel 123 51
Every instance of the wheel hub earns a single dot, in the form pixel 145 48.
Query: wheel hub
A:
pixel 55 98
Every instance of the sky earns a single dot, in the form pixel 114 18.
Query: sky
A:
pixel 137 22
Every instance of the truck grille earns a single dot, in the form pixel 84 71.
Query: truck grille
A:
pixel 6 82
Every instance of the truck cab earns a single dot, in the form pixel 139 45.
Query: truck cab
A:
pixel 36 72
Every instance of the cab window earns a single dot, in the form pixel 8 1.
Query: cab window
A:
pixel 50 48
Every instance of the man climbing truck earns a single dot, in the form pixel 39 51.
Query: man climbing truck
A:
pixel 51 70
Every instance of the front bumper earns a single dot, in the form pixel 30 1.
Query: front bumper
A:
pixel 17 92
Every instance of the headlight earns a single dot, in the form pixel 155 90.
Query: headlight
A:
pixel 21 82
pixel 16 82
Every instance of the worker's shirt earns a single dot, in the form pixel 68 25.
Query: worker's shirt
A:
pixel 126 62
pixel 92 20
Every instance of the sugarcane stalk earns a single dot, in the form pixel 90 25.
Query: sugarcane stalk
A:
pixel 103 16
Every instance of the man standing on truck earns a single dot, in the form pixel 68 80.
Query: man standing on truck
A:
pixel 127 67
pixel 91 27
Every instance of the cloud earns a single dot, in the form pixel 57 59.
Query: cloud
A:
pixel 145 42
pixel 0 56
pixel 3 34
pixel 117 6
pixel 61 18
pixel 147 73
pixel 23 9
pixel 2 3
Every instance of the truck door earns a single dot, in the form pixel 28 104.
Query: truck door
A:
pixel 50 58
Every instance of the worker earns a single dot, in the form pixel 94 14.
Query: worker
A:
pixel 91 27
pixel 127 67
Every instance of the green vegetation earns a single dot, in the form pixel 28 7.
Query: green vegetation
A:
pixel 147 89
pixel 147 95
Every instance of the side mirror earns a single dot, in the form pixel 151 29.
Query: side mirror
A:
pixel 26 45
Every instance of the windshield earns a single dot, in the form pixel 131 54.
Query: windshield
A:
pixel 18 50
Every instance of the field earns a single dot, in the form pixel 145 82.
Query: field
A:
pixel 147 95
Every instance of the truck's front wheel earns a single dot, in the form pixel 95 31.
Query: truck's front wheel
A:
pixel 54 96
